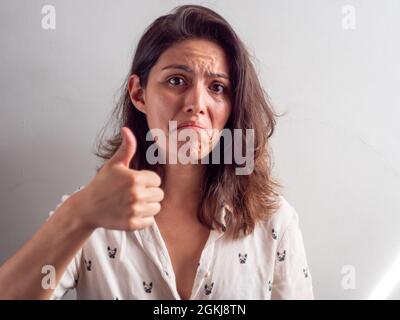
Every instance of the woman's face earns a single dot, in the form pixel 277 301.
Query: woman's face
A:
pixel 189 82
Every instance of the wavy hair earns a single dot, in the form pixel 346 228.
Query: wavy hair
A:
pixel 247 198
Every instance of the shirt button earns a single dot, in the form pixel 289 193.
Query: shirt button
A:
pixel 207 274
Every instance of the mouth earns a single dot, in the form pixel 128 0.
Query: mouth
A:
pixel 197 126
pixel 194 125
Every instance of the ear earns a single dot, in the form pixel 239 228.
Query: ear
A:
pixel 136 93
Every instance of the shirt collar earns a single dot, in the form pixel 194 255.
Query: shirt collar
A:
pixel 221 216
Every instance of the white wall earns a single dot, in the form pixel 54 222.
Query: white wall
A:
pixel 336 151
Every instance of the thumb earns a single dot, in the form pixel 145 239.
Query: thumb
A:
pixel 127 149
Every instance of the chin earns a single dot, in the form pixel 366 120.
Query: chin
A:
pixel 193 154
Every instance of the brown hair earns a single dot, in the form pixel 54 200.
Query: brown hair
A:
pixel 250 198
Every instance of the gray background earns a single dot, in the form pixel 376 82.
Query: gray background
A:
pixel 336 151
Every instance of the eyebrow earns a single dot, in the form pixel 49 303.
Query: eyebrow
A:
pixel 187 69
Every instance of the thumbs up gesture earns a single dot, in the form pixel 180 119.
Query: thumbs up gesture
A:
pixel 119 197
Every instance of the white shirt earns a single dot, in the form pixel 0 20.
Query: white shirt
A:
pixel 270 263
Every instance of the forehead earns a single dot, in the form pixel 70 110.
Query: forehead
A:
pixel 198 54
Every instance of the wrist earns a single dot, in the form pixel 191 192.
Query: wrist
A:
pixel 78 209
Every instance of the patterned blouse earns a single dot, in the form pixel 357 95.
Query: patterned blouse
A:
pixel 270 263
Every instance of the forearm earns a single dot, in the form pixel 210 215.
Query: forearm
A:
pixel 55 244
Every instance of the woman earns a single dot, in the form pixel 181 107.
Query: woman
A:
pixel 195 230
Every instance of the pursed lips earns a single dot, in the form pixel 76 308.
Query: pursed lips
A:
pixel 193 125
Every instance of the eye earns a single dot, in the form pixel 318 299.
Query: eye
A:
pixel 218 88
pixel 176 81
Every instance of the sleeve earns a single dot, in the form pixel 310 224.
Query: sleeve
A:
pixel 70 277
pixel 292 278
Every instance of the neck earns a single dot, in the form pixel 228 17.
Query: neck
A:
pixel 182 189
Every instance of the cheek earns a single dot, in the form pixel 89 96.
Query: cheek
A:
pixel 221 116
pixel 159 112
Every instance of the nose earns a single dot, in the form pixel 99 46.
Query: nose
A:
pixel 196 100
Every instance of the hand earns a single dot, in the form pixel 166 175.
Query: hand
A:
pixel 119 197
